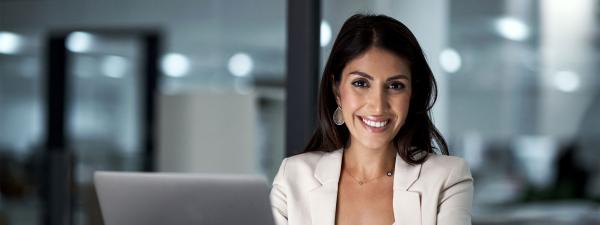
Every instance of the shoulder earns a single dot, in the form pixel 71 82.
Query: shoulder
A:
pixel 449 169
pixel 301 168
pixel 309 158
pixel 443 162
pixel 306 162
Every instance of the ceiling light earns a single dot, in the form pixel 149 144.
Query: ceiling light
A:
pixel 512 29
pixel 566 81
pixel 325 33
pixel 9 42
pixel 79 41
pixel 240 64
pixel 450 60
pixel 175 65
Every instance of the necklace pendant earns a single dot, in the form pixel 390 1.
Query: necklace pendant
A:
pixel 361 183
pixel 389 174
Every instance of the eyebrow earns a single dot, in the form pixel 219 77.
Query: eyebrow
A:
pixel 365 75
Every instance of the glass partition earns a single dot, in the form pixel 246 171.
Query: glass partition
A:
pixel 105 110
pixel 22 112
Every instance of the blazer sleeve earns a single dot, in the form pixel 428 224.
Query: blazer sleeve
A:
pixel 456 197
pixel 279 196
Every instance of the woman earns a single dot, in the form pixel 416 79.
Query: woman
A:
pixel 372 159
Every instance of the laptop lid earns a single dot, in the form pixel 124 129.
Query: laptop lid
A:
pixel 128 198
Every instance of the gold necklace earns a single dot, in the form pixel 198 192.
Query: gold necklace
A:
pixel 361 182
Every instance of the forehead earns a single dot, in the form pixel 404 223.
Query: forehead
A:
pixel 379 63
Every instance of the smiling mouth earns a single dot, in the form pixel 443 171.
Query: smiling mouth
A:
pixel 375 124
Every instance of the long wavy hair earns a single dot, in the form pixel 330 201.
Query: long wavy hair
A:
pixel 360 32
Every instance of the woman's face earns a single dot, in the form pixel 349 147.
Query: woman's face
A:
pixel 374 94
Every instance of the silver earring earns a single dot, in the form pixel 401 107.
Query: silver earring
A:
pixel 338 119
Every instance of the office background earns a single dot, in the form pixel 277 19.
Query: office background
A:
pixel 229 86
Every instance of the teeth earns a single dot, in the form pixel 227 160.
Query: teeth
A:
pixel 374 124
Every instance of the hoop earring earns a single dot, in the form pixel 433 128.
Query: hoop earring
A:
pixel 337 116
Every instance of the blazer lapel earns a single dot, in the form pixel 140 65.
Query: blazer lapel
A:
pixel 407 204
pixel 323 199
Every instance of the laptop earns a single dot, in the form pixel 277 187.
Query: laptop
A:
pixel 129 198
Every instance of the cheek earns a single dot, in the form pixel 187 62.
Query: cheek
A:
pixel 350 101
pixel 401 105
pixel 345 97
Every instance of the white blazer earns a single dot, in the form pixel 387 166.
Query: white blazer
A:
pixel 439 191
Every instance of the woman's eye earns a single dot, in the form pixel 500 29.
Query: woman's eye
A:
pixel 396 86
pixel 360 84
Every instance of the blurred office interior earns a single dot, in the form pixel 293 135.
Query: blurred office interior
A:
pixel 204 87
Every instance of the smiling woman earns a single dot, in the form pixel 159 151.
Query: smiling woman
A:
pixel 375 102
pixel 364 38
pixel 376 157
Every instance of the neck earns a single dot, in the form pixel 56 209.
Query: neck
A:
pixel 365 162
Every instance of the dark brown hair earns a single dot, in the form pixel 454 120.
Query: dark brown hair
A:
pixel 359 33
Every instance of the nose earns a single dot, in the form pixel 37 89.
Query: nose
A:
pixel 377 101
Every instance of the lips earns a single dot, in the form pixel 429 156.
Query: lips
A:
pixel 375 123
